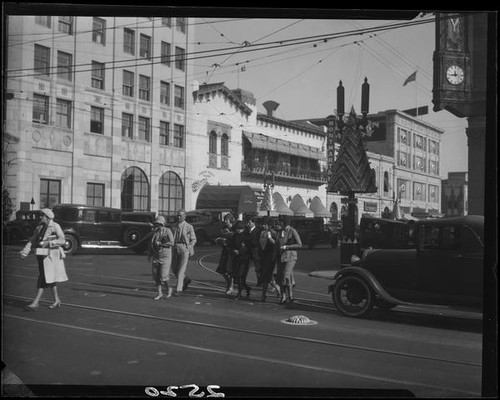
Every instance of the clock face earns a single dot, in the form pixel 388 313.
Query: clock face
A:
pixel 455 75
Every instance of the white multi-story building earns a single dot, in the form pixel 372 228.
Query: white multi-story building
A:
pixel 97 111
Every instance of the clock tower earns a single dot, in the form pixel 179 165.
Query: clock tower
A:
pixel 452 65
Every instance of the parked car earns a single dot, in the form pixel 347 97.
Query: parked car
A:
pixel 99 227
pixel 21 228
pixel 381 233
pixel 140 216
pixel 445 267
pixel 207 223
pixel 335 229
pixel 312 231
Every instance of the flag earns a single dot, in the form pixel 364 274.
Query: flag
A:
pixel 411 78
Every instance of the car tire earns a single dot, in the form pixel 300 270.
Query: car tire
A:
pixel 132 236
pixel 71 245
pixel 353 296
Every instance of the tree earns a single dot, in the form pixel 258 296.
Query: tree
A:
pixel 7 206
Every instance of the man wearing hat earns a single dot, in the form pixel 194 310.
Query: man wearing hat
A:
pixel 47 240
pixel 160 254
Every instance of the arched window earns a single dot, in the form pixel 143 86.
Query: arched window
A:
pixel 171 193
pixel 213 143
pixel 135 190
pixel 224 145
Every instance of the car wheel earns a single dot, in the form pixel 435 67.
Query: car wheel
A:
pixel 71 245
pixel 132 236
pixel 353 296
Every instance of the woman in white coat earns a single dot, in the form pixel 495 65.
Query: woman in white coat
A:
pixel 47 241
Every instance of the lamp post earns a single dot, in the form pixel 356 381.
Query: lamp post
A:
pixel 350 172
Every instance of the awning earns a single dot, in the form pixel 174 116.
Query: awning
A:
pixel 299 208
pixel 319 209
pixel 239 199
pixel 260 141
pixel 280 206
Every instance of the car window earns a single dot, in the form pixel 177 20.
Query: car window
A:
pixel 109 216
pixel 439 237
pixel 450 238
pixel 67 214
pixel 89 215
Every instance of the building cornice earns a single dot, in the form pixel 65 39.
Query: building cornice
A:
pixel 292 125
pixel 212 89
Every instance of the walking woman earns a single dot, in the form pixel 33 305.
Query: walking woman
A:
pixel 267 255
pixel 288 242
pixel 240 248
pixel 225 266
pixel 160 255
pixel 47 240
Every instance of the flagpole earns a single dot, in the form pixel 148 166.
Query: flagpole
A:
pixel 416 95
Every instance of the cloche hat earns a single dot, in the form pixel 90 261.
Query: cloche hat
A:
pixel 48 213
pixel 160 220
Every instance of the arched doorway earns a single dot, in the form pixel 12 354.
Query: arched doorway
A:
pixel 334 211
pixel 135 194
pixel 171 193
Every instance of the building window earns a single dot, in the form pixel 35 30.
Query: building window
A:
pixel 178 136
pixel 166 53
pixel 43 20
pixel 42 59
pixel 135 190
pixel 63 113
pixel 224 145
pixel 128 83
pixel 180 54
pixel 129 41
pixel 145 46
pixel 128 125
pixel 212 143
pixel 181 24
pixel 164 128
pixel 65 25
pixel 144 129
pixel 166 22
pixel 179 96
pixel 165 93
pixel 403 192
pixel 403 136
pixel 170 193
pixel 97 75
pixel 95 194
pixel 40 109
pixel 386 183
pixel 64 65
pixel 96 120
pixel 144 87
pixel 433 194
pixel 418 191
pixel 99 31
pixel 50 192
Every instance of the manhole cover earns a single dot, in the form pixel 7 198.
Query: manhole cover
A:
pixel 298 320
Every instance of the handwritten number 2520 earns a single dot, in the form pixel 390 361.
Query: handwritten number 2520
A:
pixel 153 392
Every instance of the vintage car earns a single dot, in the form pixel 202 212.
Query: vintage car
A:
pixel 380 233
pixel 99 227
pixel 445 267
pixel 21 228
pixel 313 231
pixel 207 223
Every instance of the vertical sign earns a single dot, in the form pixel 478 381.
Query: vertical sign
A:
pixel 330 145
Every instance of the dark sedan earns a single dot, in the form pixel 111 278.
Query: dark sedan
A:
pixel 444 268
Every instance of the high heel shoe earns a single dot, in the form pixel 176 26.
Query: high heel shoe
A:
pixel 31 307
pixel 55 304
pixel 158 297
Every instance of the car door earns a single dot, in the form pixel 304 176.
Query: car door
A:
pixel 88 226
pixel 109 226
pixel 439 259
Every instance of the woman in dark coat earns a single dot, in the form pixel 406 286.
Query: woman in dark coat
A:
pixel 225 266
pixel 240 249
pixel 267 254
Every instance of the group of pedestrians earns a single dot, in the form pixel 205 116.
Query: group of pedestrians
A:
pixel 270 249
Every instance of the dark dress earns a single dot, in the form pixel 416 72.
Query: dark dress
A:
pixel 267 255
pixel 225 266
pixel 241 243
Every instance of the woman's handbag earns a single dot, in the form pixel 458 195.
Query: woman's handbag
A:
pixel 40 251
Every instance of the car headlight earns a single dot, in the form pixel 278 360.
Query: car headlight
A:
pixel 355 260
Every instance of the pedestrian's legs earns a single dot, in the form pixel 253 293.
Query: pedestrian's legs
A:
pixel 230 284
pixel 36 300
pixel 182 256
pixel 264 291
pixel 53 289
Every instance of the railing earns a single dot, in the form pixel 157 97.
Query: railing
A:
pixel 285 171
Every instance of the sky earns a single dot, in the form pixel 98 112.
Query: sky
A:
pixel 301 70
